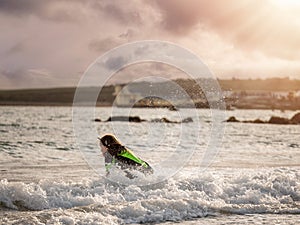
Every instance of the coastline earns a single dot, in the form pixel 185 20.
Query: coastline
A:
pixel 70 104
pixel 271 94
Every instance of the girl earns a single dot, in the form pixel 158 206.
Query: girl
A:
pixel 117 154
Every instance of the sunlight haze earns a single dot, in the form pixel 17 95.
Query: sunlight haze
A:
pixel 52 43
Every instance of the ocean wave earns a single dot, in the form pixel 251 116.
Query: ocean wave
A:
pixel 275 192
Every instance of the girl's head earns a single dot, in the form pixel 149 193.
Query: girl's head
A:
pixel 109 140
pixel 112 145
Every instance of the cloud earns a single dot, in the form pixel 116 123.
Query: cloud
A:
pixel 250 24
pixel 72 11
pixel 63 37
pixel 181 17
pixel 14 78
pixel 102 45
pixel 114 63
pixel 35 77
pixel 39 72
pixel 122 16
pixel 17 48
pixel 11 74
pixel 20 7
pixel 59 11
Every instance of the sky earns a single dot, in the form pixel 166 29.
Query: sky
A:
pixel 51 43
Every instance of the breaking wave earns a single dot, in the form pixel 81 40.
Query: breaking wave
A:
pixel 183 198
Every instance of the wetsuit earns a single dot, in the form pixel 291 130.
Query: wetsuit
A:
pixel 126 160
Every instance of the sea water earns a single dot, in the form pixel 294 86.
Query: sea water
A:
pixel 45 178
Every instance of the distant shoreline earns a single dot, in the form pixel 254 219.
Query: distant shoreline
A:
pixel 269 94
pixel 100 106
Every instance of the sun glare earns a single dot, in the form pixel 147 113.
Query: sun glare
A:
pixel 286 3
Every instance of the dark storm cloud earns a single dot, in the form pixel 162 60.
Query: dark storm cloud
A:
pixel 114 63
pixel 177 18
pixel 49 10
pixel 119 11
pixel 70 10
pixel 20 7
pixel 123 16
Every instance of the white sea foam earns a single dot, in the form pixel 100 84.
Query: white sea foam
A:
pixel 274 191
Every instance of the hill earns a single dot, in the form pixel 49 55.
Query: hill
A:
pixel 240 93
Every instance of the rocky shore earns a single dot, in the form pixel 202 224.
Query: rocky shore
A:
pixel 137 119
pixel 273 120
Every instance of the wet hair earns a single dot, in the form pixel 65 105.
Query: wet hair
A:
pixel 112 144
pixel 109 140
